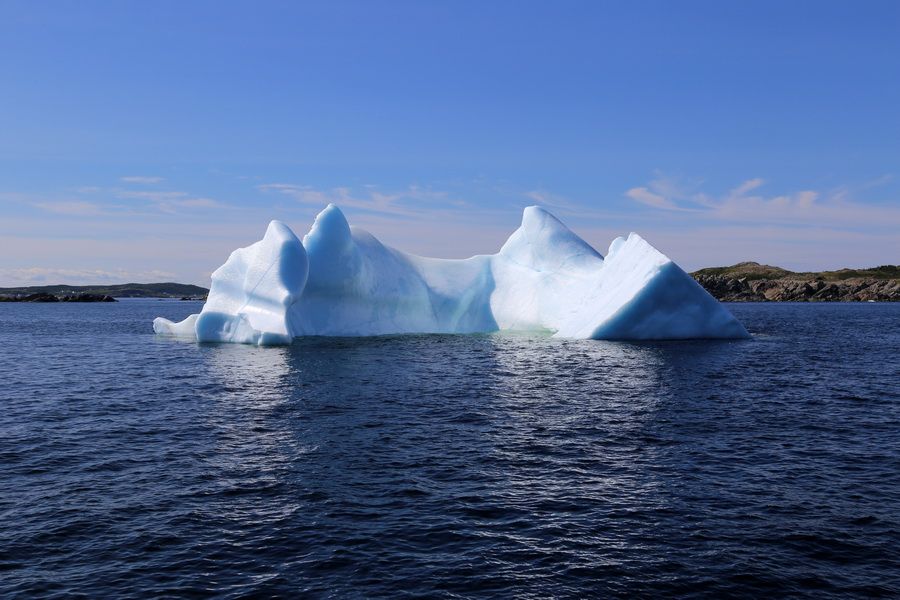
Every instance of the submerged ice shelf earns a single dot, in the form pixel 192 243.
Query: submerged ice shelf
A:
pixel 341 281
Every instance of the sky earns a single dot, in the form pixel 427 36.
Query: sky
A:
pixel 143 141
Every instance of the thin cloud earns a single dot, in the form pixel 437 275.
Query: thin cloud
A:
pixel 152 196
pixel 170 201
pixel 309 195
pixel 877 182
pixel 550 199
pixel 73 208
pixel 408 202
pixel 200 203
pixel 747 186
pixel 142 180
pixel 645 196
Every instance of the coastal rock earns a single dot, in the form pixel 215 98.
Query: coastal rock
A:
pixel 727 288
pixel 87 298
pixel 40 298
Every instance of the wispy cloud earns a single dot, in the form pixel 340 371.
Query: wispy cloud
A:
pixel 407 202
pixel 745 203
pixel 200 203
pixel 170 201
pixel 308 194
pixel 550 199
pixel 141 179
pixel 71 207
pixel 664 192
pixel 877 182
pixel 645 196
pixel 116 202
pixel 747 186
pixel 153 196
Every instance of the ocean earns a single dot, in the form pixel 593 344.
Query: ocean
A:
pixel 488 466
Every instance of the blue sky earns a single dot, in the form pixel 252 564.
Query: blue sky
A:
pixel 146 140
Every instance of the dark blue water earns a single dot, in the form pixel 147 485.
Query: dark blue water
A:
pixel 500 466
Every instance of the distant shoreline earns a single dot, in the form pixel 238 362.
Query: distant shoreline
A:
pixel 743 282
pixel 85 293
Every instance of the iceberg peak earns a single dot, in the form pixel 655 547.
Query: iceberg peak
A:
pixel 342 281
pixel 330 230
pixel 251 294
pixel 544 243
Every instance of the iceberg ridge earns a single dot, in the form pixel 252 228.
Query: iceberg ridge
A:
pixel 341 281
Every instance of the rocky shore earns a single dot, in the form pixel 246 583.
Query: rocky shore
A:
pixel 752 282
pixel 44 297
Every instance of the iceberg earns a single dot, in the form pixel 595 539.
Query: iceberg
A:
pixel 341 281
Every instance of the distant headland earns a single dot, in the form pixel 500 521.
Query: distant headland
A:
pixel 753 282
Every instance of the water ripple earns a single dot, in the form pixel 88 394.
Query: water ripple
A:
pixel 503 466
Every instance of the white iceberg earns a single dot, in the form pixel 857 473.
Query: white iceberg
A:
pixel 341 281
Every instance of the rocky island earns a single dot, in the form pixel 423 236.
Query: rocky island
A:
pixel 753 282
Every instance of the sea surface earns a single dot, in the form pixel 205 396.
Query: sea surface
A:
pixel 489 466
